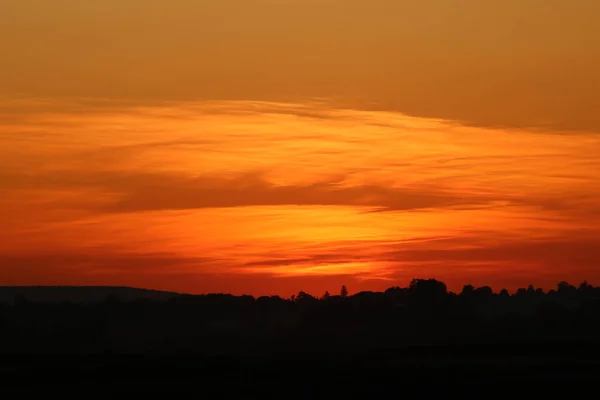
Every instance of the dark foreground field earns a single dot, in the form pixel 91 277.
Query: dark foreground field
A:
pixel 483 370
pixel 404 341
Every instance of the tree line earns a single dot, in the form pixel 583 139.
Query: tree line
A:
pixel 423 313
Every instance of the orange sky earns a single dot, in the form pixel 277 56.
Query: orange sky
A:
pixel 267 147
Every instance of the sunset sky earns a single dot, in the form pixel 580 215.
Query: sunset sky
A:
pixel 273 146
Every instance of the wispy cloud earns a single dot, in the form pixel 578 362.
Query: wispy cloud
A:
pixel 280 189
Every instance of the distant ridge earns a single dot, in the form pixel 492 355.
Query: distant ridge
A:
pixel 80 294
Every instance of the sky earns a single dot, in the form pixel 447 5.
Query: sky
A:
pixel 271 146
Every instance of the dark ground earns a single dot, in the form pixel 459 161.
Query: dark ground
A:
pixel 544 369
pixel 415 341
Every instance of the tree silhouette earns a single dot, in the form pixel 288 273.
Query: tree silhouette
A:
pixel 467 290
pixel 584 286
pixel 223 324
pixel 344 291
pixel 428 289
pixel 564 287
pixel 303 297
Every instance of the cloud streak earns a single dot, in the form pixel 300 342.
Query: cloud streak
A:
pixel 270 191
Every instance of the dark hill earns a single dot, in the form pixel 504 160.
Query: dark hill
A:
pixel 79 294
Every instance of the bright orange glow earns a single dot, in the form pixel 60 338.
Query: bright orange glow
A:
pixel 273 198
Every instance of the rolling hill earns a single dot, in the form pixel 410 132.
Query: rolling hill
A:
pixel 79 294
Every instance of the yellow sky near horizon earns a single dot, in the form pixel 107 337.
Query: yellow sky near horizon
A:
pixel 263 197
